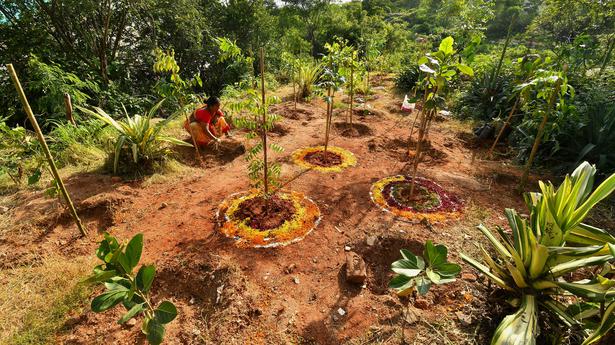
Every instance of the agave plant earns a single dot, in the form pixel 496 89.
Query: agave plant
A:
pixel 138 136
pixel 416 272
pixel 533 263
pixel 307 76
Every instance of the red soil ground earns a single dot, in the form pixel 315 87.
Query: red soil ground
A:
pixel 293 294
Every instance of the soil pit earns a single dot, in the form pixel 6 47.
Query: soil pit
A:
pixel 335 160
pixel 357 129
pixel 323 159
pixel 262 214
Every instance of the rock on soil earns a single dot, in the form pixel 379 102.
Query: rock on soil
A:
pixel 356 271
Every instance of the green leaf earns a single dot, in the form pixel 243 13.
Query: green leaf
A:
pixel 417 260
pixel 145 277
pixel 406 267
pixel 99 277
pixel 446 46
pixel 447 269
pixel 166 312
pixel 134 250
pixel 154 331
pixel 606 324
pixel 465 69
pixel 435 255
pixel 136 309
pixel 108 299
pixel 519 328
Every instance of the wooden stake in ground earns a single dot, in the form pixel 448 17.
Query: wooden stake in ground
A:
pixel 41 138
pixel 328 120
pixel 351 87
pixel 264 105
pixel 69 109
pixel 541 129
pixel 506 123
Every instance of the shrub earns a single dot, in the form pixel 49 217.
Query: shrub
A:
pixel 485 101
pixel 132 290
pixel 407 78
pixel 535 262
pixel 139 139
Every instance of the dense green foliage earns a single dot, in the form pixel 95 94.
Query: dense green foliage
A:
pixel 102 53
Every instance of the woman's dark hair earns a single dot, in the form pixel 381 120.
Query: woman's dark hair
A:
pixel 211 101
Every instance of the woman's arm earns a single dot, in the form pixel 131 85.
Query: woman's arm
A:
pixel 209 133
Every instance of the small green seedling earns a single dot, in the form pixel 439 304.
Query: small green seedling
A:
pixel 414 271
pixel 133 291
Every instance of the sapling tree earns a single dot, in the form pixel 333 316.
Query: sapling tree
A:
pixel 175 89
pixel 262 172
pixel 292 65
pixel 547 92
pixel 420 273
pixel 132 290
pixel 439 69
pixel 528 65
pixel 332 80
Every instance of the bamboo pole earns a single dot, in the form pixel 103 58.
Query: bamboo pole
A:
pixel 541 129
pixel 69 109
pixel 41 138
pixel 506 123
pixel 264 105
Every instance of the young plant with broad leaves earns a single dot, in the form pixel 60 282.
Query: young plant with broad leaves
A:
pixel 536 262
pixel 132 290
pixel 439 69
pixel 139 138
pixel 420 273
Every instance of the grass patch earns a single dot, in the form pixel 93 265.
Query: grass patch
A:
pixel 35 302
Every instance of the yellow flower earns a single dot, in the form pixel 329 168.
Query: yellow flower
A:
pixel 348 159
pixel 305 219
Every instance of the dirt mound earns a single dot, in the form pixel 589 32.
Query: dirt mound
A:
pixel 279 130
pixel 357 129
pixel 323 159
pixel 263 214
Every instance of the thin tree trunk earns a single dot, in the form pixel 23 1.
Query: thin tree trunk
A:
pixel 506 123
pixel 295 93
pixel 415 119
pixel 328 121
pixel 541 129
pixel 264 105
pixel 351 90
pixel 41 138
pixel 496 71
pixel 69 109
pixel 419 146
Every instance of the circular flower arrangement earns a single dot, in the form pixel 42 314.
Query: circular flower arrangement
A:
pixel 429 200
pixel 337 158
pixel 304 216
